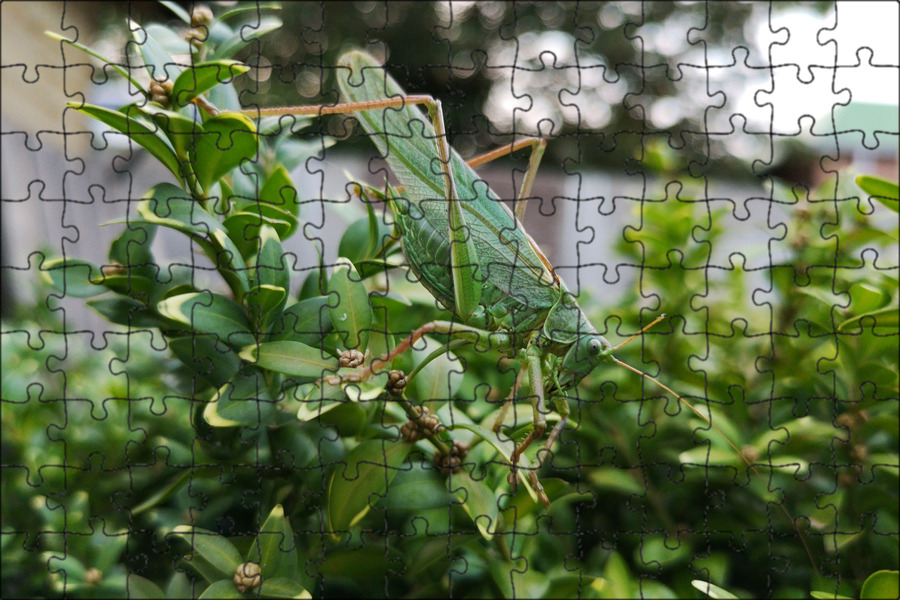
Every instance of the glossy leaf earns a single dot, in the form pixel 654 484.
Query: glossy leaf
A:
pixel 243 401
pixel 416 490
pixel 264 304
pixel 75 278
pixel 882 190
pixel 206 356
pixel 274 547
pixel 291 358
pixel 271 268
pixel 362 481
pixel 282 587
pixel 304 322
pixel 159 64
pixel 177 10
pixel 881 584
pixel 206 312
pixel 505 447
pixel 132 247
pixel 223 588
pixel 516 582
pixel 204 76
pixel 278 198
pixel 244 35
pixel 227 140
pixel 128 312
pixel 170 206
pixel 140 587
pixel 219 556
pixel 478 500
pixel 106 61
pixel 713 591
pixel 152 140
pixel 134 286
pixel 351 313
pixel 244 230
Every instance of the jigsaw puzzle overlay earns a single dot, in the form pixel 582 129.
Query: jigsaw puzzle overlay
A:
pixel 512 300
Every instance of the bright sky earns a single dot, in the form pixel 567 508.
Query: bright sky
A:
pixel 853 33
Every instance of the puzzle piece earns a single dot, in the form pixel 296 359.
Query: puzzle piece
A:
pixel 195 394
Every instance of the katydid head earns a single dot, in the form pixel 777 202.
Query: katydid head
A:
pixel 586 352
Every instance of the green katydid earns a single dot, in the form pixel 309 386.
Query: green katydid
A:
pixel 471 252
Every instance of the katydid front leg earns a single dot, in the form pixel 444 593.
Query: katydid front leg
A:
pixel 535 388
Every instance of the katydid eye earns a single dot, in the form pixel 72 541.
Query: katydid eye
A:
pixel 594 346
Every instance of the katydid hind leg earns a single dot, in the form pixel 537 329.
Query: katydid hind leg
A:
pixel 538 145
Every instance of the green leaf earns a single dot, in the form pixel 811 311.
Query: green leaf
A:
pixel 223 588
pixel 712 590
pixel 206 356
pixel 224 96
pixel 440 378
pixel 165 492
pixel 227 140
pixel 179 586
pixel 264 304
pixel 98 56
pixel 132 247
pixel 212 554
pixel 618 480
pixel 888 318
pixel 478 500
pixel 203 77
pixel 886 192
pixel 516 582
pixel 314 284
pixel 170 206
pixel 417 490
pixel 151 140
pixel 291 358
pixel 881 584
pixel 75 278
pixel 829 596
pixel 133 286
pixel 367 566
pixel 254 9
pixel 356 241
pixel 244 230
pixel 207 312
pixel 352 314
pixel 180 130
pixel 171 41
pixel 505 447
pixel 282 587
pixel 243 35
pixel 128 312
pixel 865 297
pixel 363 481
pixel 304 322
pixel 271 268
pixel 274 547
pixel 278 198
pixel 159 64
pixel 139 587
pixel 244 401
pixel 175 8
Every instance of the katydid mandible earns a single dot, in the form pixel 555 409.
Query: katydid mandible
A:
pixel 470 251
